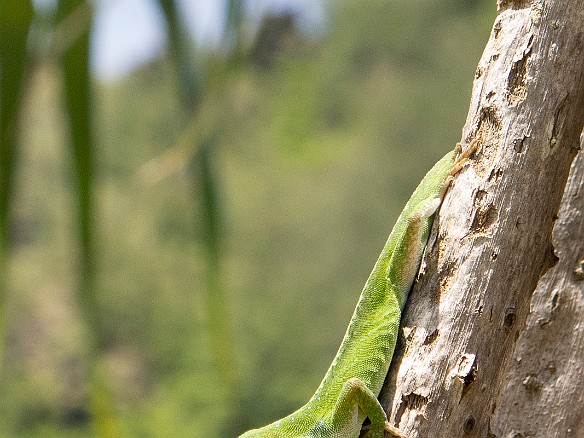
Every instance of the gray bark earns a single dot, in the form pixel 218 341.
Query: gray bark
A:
pixel 493 341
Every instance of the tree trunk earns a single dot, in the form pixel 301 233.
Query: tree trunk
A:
pixel 493 342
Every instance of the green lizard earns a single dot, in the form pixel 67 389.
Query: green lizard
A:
pixel 348 393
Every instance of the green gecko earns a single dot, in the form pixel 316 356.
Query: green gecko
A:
pixel 348 393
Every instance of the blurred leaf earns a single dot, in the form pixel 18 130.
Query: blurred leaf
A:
pixel 209 201
pixel 75 63
pixel 212 231
pixel 70 28
pixel 15 19
pixel 183 56
pixel 218 319
pixel 233 26
pixel 205 121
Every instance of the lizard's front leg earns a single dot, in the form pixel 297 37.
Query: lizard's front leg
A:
pixel 355 394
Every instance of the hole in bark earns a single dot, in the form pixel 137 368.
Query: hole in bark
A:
pixel 519 144
pixel 469 425
pixel 510 317
pixel 484 219
pixel 410 402
pixel 481 195
pixel 415 401
pixel 531 383
pixel 496 174
pixel 489 121
pixel 431 337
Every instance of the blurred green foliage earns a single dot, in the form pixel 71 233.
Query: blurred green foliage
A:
pixel 15 20
pixel 307 159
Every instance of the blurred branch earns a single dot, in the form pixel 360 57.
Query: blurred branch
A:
pixel 15 20
pixel 178 157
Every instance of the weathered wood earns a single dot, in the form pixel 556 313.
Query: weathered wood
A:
pixel 491 345
pixel 543 392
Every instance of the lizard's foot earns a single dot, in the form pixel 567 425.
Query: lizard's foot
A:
pixel 393 430
pixel 462 159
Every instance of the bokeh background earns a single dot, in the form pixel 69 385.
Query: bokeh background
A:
pixel 193 193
